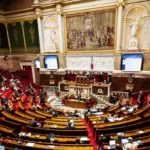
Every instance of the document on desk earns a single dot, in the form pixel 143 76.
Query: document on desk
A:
pixel 30 144
pixel 84 139
pixel 120 133
pixel 139 142
pixel 51 146
pixel 141 131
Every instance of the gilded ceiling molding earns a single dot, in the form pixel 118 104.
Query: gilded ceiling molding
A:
pixel 50 3
pixel 67 2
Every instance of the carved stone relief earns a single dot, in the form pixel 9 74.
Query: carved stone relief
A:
pixel 51 36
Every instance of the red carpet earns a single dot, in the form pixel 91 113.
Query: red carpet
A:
pixel 91 135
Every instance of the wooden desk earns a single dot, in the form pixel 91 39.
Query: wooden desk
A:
pixel 98 88
pixel 76 104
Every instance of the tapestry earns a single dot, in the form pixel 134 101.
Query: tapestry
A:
pixel 91 31
pixel 4 48
pixel 16 37
pixel 31 36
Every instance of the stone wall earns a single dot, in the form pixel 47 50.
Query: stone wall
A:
pixel 11 63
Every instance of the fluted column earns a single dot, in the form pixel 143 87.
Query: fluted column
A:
pixel 119 25
pixel 39 22
pixel 9 44
pixel 60 27
pixel 40 34
pixel 24 38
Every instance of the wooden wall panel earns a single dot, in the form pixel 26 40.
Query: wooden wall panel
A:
pixel 119 83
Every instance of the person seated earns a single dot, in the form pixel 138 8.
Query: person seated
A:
pixel 4 88
pixel 105 137
pixel 5 104
pixel 70 124
pixel 16 88
pixel 148 98
pixel 10 105
pixel 36 105
pixel 130 109
pixel 111 118
pixel 2 80
pixel 16 95
pixel 12 81
pixel 54 113
pixel 31 91
pixel 119 118
pixel 33 123
pixel 130 145
pixel 75 113
pixel 51 137
pixel 20 134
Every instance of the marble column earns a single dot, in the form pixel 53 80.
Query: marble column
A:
pixel 38 13
pixel 119 26
pixel 9 44
pixel 40 34
pixel 60 27
pixel 24 39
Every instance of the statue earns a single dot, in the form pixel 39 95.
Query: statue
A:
pixel 133 43
pixel 53 40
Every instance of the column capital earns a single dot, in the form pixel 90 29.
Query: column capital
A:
pixel 22 22
pixel 121 3
pixel 38 12
pixel 6 24
pixel 59 9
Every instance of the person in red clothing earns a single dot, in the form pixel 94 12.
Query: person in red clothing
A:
pixel 148 98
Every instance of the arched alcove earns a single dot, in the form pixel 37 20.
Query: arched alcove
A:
pixel 137 13
pixel 51 36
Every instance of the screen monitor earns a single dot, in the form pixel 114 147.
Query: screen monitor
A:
pixel 51 62
pixel 132 62
pixel 37 63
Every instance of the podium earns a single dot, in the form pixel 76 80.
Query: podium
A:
pixel 84 90
pixel 80 91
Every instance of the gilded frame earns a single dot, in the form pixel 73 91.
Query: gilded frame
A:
pixel 106 9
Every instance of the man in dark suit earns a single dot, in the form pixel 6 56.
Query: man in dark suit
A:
pixel 141 99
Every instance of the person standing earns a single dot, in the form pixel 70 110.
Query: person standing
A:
pixel 141 99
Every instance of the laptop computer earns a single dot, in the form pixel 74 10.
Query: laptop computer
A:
pixel 124 141
pixel 112 144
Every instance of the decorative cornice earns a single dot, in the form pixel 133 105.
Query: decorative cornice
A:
pixel 18 11
pixel 66 2
pixel 59 9
pixel 121 3
pixel 63 2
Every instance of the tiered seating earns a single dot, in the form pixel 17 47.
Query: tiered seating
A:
pixel 53 133
pixel 37 134
pixel 134 125
pixel 30 145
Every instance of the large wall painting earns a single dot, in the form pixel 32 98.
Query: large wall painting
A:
pixel 91 31
pixel 4 49
pixel 31 36
pixel 16 37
